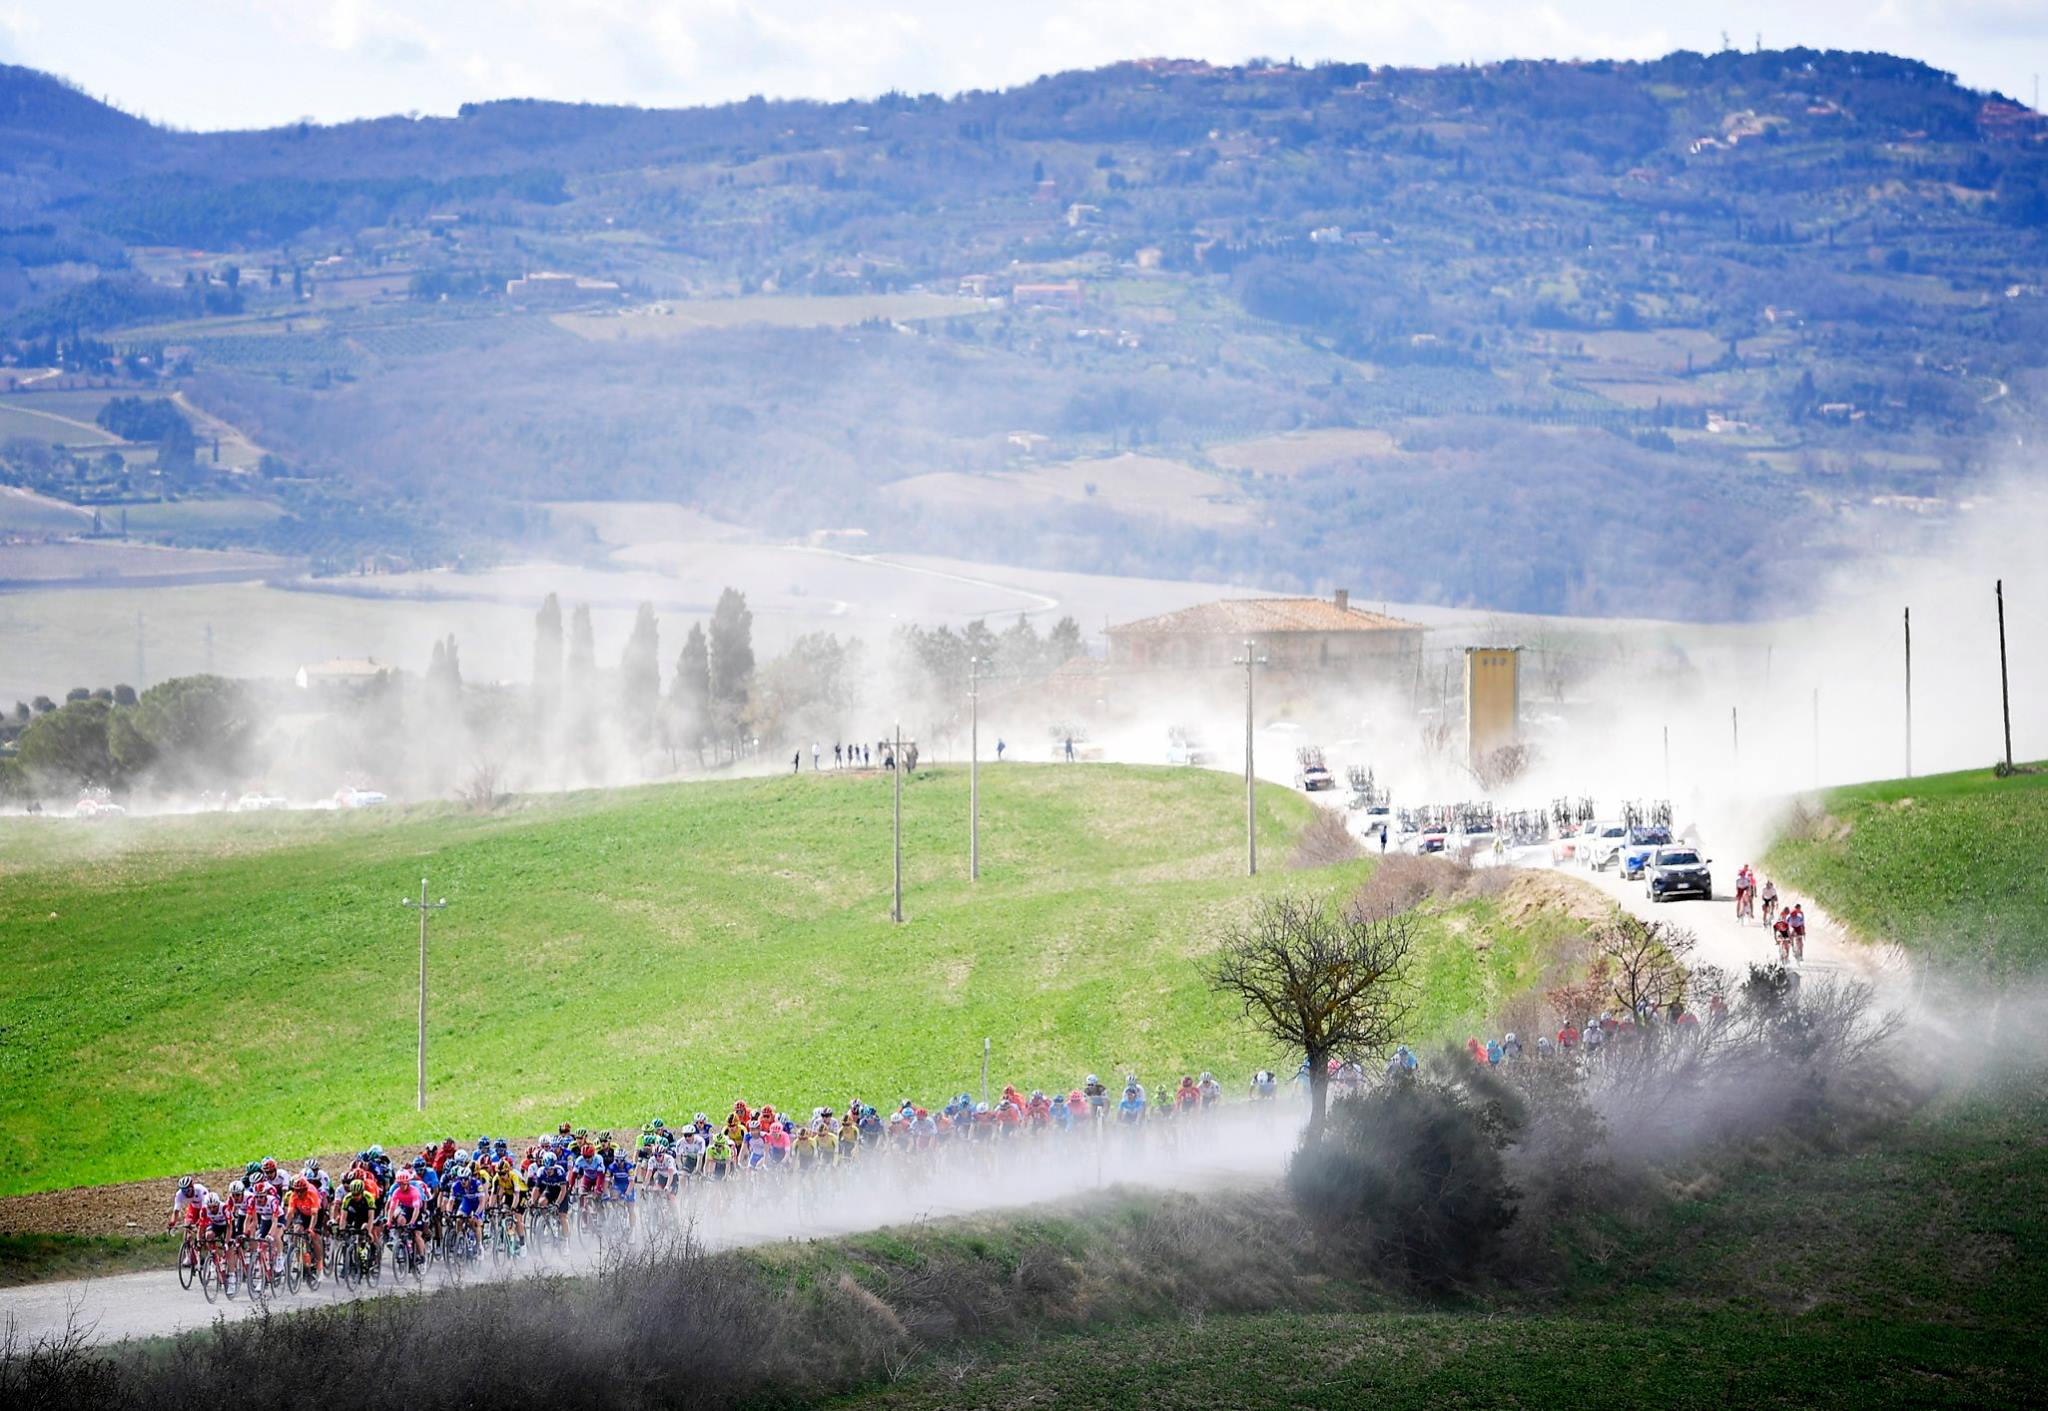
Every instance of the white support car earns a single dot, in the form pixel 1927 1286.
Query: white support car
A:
pixel 1601 848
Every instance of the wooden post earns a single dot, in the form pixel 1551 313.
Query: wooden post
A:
pixel 2004 688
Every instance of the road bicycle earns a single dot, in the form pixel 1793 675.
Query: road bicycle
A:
pixel 356 1259
pixel 190 1256
pixel 217 1270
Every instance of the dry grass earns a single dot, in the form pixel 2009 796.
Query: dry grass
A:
pixel 1325 842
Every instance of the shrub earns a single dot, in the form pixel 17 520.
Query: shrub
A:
pixel 1325 842
pixel 1403 881
pixel 1409 1183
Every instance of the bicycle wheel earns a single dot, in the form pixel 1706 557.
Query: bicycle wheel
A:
pixel 208 1271
pixel 257 1260
pixel 188 1262
pixel 294 1259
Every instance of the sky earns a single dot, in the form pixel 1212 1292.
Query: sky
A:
pixel 248 63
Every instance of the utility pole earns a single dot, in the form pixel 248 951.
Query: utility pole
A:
pixel 424 907
pixel 1250 661
pixel 1909 693
pixel 2004 689
pixel 896 769
pixel 1735 729
pixel 974 769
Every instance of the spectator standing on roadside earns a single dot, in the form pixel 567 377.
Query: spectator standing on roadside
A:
pixel 838 755
pixel 796 762
pixel 817 753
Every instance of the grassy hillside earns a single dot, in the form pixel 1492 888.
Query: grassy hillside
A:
pixel 191 992
pixel 1950 864
pixel 1837 1282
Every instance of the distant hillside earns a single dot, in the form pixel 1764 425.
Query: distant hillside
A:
pixel 1618 327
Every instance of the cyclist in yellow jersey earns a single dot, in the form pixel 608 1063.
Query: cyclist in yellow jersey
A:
pixel 508 1189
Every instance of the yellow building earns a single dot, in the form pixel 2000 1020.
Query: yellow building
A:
pixel 1493 699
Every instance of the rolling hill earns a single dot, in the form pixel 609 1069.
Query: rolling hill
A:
pixel 1946 865
pixel 184 992
pixel 1519 302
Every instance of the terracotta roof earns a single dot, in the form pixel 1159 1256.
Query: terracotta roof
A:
pixel 1241 616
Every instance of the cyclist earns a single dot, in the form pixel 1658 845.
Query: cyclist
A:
pixel 1211 1090
pixel 719 1156
pixel 1799 930
pixel 1187 1097
pixel 621 1170
pixel 690 1153
pixel 260 1207
pixel 587 1177
pixel 1097 1093
pixel 217 1227
pixel 553 1185
pixel 406 1213
pixel 1131 1111
pixel 665 1171
pixel 359 1214
pixel 187 1204
pixel 1770 895
pixel 1782 930
pixel 1265 1086
pixel 508 1193
pixel 467 1193
pixel 302 1214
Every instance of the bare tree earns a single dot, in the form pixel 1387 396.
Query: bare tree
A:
pixel 1321 983
pixel 481 790
pixel 1646 961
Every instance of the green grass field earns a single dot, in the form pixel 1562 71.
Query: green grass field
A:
pixel 682 316
pixel 192 992
pixel 1951 864
pixel 1901 1274
pixel 197 516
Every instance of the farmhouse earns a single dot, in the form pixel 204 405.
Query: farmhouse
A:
pixel 552 287
pixel 1308 637
pixel 1064 295
pixel 341 673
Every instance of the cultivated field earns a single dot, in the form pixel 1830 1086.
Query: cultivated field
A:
pixel 187 993
pixel 1146 486
pixel 680 316
pixel 1302 450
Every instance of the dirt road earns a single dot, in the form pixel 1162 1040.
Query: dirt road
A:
pixel 1244 1142
pixel 1734 945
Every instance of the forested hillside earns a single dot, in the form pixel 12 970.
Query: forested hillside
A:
pixel 1590 336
